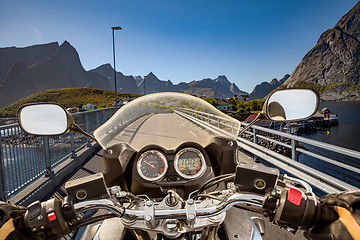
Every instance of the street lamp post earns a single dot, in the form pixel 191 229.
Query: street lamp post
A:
pixel 113 36
pixel 144 84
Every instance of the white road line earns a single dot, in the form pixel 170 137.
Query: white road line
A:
pixel 180 122
pixel 192 133
pixel 122 132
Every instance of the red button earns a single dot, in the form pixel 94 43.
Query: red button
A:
pixel 294 196
pixel 51 216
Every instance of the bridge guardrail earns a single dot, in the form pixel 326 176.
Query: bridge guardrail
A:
pixel 24 158
pixel 216 123
pixel 316 178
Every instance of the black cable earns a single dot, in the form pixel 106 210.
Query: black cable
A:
pixel 251 209
pixel 214 181
pixel 209 196
pixel 86 216
pixel 92 220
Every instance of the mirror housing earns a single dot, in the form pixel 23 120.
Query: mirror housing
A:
pixel 44 119
pixel 291 105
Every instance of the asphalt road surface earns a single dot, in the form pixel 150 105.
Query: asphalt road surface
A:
pixel 167 130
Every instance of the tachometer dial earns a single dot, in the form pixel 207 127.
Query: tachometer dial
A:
pixel 189 163
pixel 152 165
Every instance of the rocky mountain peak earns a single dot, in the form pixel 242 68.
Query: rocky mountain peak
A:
pixel 261 90
pixel 151 75
pixel 28 55
pixel 350 22
pixel 274 81
pixel 333 66
pixel 222 79
pixel 125 84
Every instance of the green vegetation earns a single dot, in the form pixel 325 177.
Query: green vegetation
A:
pixel 254 106
pixel 319 88
pixel 68 98
pixel 247 106
pixel 78 97
pixel 353 88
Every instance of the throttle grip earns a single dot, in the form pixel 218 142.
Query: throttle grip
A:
pixel 293 209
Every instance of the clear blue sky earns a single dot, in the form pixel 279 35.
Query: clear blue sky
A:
pixel 181 40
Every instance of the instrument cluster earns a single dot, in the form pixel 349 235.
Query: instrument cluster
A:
pixel 189 163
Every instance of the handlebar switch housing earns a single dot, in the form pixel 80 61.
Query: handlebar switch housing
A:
pixel 68 209
pixel 270 203
pixel 255 178
pixel 296 210
pixel 45 219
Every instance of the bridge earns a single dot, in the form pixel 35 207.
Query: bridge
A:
pixel 28 161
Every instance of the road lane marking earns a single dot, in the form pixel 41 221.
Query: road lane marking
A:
pixel 180 122
pixel 192 133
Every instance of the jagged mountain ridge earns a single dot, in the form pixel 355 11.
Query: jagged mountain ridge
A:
pixel 28 55
pixel 125 84
pixel 264 88
pixel 220 87
pixel 25 71
pixel 49 70
pixel 332 66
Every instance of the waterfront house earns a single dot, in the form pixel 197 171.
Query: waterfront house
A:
pixel 89 106
pixel 223 104
pixel 262 123
pixel 245 97
pixel 328 114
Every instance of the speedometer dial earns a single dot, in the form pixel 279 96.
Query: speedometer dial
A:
pixel 152 165
pixel 189 163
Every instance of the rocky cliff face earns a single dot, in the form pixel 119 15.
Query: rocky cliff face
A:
pixel 124 84
pixel 42 67
pixel 219 87
pixel 28 55
pixel 153 84
pixel 264 88
pixel 332 67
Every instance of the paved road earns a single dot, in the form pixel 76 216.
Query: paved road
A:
pixel 167 130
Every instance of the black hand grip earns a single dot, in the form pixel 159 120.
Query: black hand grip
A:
pixel 326 215
pixel 294 209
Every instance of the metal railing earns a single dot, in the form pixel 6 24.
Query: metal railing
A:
pixel 24 158
pixel 253 142
pixel 217 124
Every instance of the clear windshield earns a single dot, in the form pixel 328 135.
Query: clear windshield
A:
pixel 167 120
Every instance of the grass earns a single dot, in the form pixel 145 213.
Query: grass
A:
pixel 319 88
pixel 68 98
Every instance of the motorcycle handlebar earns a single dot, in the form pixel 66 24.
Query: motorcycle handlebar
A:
pixel 291 209
pixel 251 199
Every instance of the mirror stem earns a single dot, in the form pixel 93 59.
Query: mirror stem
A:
pixel 77 129
pixel 258 118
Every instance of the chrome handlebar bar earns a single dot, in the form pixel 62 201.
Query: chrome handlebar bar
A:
pixel 236 198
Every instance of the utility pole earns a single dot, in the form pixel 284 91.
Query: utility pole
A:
pixel 113 36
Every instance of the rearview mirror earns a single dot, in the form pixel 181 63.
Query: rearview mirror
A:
pixel 291 105
pixel 44 119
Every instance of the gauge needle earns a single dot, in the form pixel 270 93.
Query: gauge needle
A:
pixel 149 164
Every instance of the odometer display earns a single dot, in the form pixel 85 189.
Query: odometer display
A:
pixel 152 165
pixel 189 163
